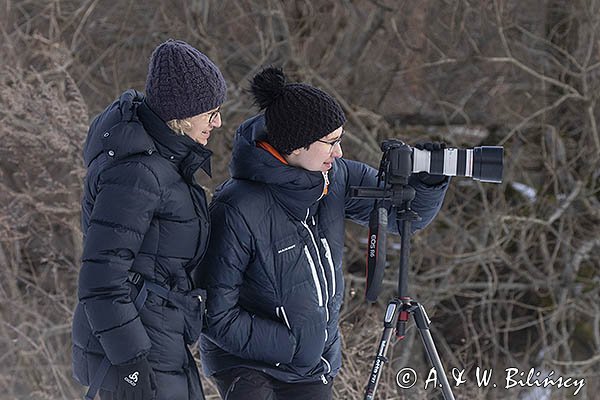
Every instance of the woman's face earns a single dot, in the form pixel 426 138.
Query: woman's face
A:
pixel 203 124
pixel 320 154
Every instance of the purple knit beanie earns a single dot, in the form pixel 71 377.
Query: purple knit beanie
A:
pixel 182 82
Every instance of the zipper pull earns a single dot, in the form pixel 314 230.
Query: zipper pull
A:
pixel 325 184
pixel 324 380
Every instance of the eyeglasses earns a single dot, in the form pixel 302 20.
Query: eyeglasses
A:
pixel 333 143
pixel 213 115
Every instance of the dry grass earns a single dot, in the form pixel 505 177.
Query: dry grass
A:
pixel 508 281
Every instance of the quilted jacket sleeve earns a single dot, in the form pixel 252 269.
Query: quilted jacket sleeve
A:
pixel 427 202
pixel 221 273
pixel 127 196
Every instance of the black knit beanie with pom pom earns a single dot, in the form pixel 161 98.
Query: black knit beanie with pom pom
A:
pixel 296 114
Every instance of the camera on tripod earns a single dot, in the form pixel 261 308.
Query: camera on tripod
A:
pixel 398 162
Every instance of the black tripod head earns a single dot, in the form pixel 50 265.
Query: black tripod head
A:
pixel 394 169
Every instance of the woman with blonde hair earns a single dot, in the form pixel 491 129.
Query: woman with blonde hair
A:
pixel 145 225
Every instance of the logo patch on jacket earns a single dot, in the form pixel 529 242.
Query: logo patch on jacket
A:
pixel 132 379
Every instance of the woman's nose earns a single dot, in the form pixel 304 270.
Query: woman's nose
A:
pixel 337 150
pixel 217 122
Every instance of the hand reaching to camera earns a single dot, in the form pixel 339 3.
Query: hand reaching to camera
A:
pixel 426 178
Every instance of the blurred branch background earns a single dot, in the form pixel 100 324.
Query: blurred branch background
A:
pixel 508 273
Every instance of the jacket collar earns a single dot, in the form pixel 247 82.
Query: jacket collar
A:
pixel 184 152
pixel 295 189
pixel 128 126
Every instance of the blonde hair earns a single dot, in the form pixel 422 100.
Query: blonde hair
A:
pixel 180 125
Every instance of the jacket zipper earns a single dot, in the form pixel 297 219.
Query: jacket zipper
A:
pixel 325 184
pixel 313 271
pixel 330 261
pixel 313 268
pixel 312 237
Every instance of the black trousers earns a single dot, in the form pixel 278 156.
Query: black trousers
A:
pixel 249 384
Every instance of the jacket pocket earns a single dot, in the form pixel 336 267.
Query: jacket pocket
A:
pixel 307 324
pixel 280 311
pixel 193 314
pixel 327 365
pixel 189 303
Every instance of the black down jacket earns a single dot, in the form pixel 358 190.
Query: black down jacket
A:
pixel 273 269
pixel 142 212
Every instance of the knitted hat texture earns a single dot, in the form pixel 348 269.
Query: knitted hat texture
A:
pixel 296 114
pixel 182 82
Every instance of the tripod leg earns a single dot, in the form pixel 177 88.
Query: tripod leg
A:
pixel 423 322
pixel 389 323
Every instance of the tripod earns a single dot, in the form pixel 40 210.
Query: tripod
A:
pixel 401 307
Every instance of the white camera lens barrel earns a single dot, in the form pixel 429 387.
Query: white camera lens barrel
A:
pixel 421 160
pixel 467 166
pixel 482 163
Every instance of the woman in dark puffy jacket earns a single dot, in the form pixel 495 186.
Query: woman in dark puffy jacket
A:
pixel 273 270
pixel 145 224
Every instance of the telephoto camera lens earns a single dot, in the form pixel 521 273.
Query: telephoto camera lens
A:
pixel 482 163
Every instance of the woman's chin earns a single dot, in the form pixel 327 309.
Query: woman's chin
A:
pixel 202 140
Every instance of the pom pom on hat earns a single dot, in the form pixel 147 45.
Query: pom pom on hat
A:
pixel 267 86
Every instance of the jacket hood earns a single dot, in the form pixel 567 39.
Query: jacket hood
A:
pixel 128 126
pixel 117 117
pixel 296 189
